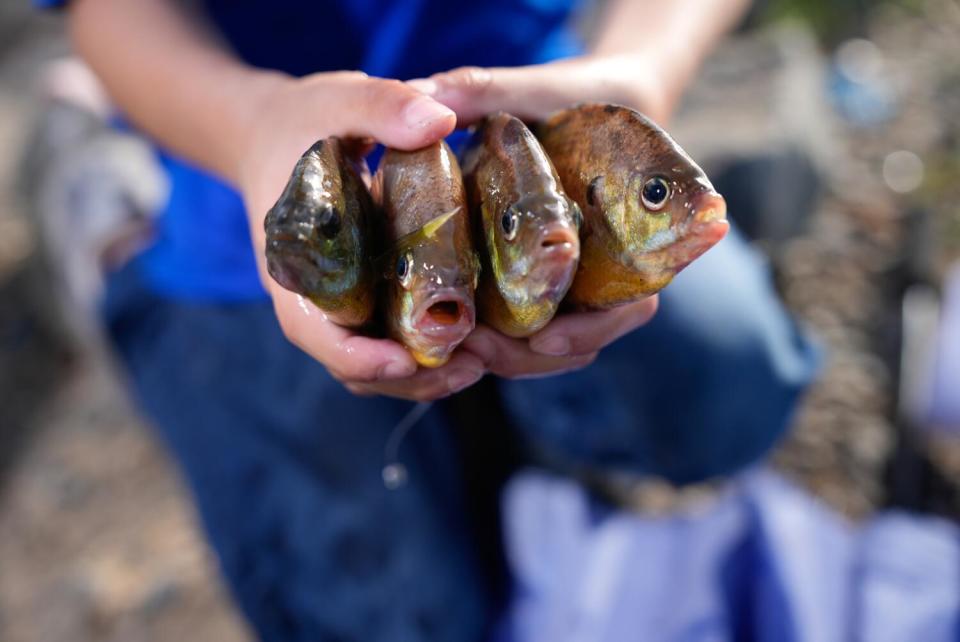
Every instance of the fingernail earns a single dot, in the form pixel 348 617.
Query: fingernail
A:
pixel 460 379
pixel 553 346
pixel 397 370
pixel 424 110
pixel 424 85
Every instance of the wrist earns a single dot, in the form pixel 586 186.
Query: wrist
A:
pixel 651 82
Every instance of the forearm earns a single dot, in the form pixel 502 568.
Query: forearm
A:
pixel 677 34
pixel 172 79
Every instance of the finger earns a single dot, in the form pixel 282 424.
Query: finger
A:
pixel 513 358
pixel 389 111
pixel 348 356
pixel 587 332
pixel 359 389
pixel 529 93
pixel 462 371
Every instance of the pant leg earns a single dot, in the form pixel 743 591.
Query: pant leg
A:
pixel 285 467
pixel 704 389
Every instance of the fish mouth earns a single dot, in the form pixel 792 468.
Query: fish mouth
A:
pixel 445 315
pixel 708 207
pixel 700 237
pixel 705 228
pixel 561 240
pixel 557 257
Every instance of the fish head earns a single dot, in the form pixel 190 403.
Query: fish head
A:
pixel 315 244
pixel 534 246
pixel 434 279
pixel 657 213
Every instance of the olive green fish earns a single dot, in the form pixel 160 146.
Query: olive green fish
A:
pixel 648 209
pixel 526 227
pixel 322 235
pixel 432 268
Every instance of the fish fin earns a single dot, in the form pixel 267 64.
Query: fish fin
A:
pixel 431 227
pixel 425 232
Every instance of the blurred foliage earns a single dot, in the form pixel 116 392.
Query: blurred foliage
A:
pixel 833 20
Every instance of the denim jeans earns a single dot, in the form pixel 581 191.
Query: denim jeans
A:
pixel 285 465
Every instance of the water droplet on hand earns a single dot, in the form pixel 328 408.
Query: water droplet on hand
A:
pixel 303 305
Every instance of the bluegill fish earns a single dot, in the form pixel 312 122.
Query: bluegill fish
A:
pixel 526 227
pixel 648 209
pixel 322 235
pixel 432 267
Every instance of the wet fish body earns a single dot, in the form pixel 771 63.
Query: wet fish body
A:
pixel 430 267
pixel 648 209
pixel 525 226
pixel 322 235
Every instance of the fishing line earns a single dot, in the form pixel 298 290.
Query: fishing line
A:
pixel 394 473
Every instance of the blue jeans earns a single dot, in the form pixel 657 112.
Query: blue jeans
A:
pixel 285 464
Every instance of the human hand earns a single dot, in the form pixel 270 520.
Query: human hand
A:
pixel 569 342
pixel 291 115
pixel 535 91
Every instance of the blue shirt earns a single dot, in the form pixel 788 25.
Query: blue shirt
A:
pixel 203 248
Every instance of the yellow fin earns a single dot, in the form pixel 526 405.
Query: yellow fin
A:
pixel 430 227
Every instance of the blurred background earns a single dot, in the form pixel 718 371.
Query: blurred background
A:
pixel 836 123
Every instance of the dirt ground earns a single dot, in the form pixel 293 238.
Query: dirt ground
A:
pixel 97 537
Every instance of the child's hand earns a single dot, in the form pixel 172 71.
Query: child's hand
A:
pixel 535 91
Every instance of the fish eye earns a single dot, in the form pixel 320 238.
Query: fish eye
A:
pixel 655 193
pixel 404 273
pixel 592 190
pixel 329 222
pixel 577 215
pixel 508 223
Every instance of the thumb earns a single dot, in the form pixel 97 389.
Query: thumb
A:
pixel 394 114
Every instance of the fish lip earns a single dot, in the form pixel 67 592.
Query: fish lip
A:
pixel 558 245
pixel 708 206
pixel 433 330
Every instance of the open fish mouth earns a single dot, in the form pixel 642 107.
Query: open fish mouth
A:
pixel 445 315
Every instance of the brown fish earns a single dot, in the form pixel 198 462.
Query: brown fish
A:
pixel 648 209
pixel 322 235
pixel 526 227
pixel 432 267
